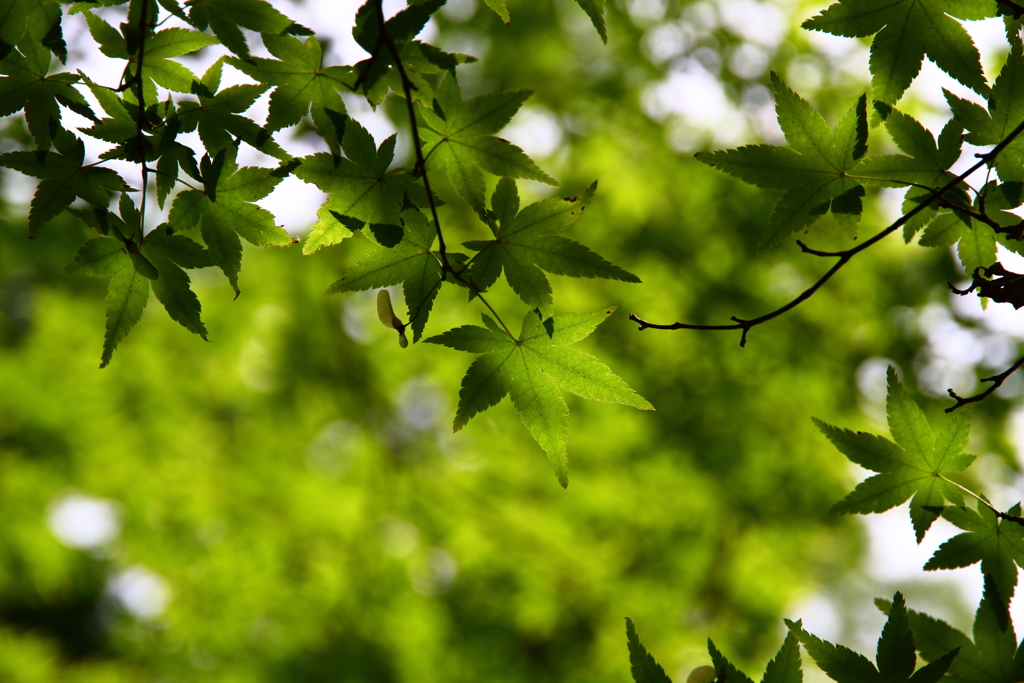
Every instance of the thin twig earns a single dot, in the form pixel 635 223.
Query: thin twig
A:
pixel 843 256
pixel 997 381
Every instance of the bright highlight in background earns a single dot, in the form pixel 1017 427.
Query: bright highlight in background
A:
pixel 80 521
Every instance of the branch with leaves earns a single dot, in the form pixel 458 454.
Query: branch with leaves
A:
pixel 922 467
pixel 213 200
pixel 827 171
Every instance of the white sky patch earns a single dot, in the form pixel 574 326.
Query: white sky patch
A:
pixel 84 522
pixel 536 131
pixel 142 592
pixel 763 23
pixel 895 558
pixel 459 10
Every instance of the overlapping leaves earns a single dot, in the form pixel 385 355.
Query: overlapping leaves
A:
pixel 534 368
pixel 526 242
pixel 379 73
pixel 365 193
pixel 361 189
pixel 904 32
pixel 975 239
pixel 411 262
pixel 993 656
pixel 159 67
pixel 895 656
pixel 136 265
pixel 218 117
pixel 302 85
pixel 1005 113
pixel 225 210
pixel 63 175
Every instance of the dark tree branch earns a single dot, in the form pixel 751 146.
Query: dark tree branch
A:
pixel 140 121
pixel 844 256
pixel 421 164
pixel 997 381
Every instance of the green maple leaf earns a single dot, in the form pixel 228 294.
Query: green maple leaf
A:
pixel 992 657
pixel 360 188
pixel 302 84
pixel 458 137
pixel 218 115
pixel 135 268
pixel 595 10
pixel 905 31
pixel 998 544
pixel 29 86
pixel 784 668
pixel 1005 112
pixel 410 262
pixel 525 242
pixel 28 21
pixel 226 17
pixel 641 662
pixel 914 466
pixel 159 143
pixel 895 655
pixel 120 124
pixel 160 47
pixel 224 211
pixel 499 8
pixel 15 16
pixel 63 176
pixel 927 164
pixel 533 369
pixel 815 174
pixel 127 296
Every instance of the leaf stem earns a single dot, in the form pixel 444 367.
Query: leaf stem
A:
pixel 844 256
pixel 998 513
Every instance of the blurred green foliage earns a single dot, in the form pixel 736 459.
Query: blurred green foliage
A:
pixel 295 481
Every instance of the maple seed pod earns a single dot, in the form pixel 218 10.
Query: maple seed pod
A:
pixel 142 265
pixel 387 316
pixel 702 674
